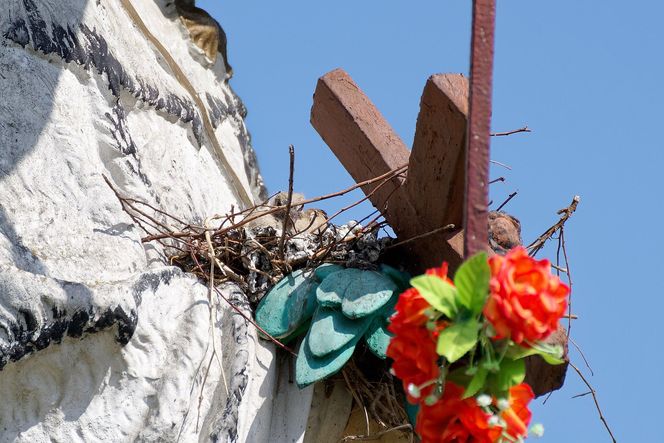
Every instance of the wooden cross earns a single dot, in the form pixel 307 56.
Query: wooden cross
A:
pixel 448 166
pixel 428 207
pixel 430 198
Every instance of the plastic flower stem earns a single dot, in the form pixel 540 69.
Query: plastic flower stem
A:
pixel 472 357
pixel 503 352
pixel 488 349
pixel 506 437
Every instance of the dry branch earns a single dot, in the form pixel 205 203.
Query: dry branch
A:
pixel 514 131
pixel 565 214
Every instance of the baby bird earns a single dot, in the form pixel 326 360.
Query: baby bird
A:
pixel 300 220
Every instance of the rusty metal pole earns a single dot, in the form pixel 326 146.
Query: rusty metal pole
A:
pixel 479 127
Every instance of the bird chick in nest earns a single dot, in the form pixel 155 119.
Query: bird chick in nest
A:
pixel 205 31
pixel 298 220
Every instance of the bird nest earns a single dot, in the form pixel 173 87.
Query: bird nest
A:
pixel 256 247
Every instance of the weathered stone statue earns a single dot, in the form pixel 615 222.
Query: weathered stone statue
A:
pixel 100 339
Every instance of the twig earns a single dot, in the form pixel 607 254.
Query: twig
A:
pixel 501 164
pixel 377 435
pixel 582 395
pixel 569 281
pixel 565 214
pixel 510 197
pixel 426 234
pixel 558 268
pixel 289 201
pixel 585 360
pixel 499 179
pixel 386 176
pixel 594 394
pixel 514 131
pixel 357 399
pixel 243 315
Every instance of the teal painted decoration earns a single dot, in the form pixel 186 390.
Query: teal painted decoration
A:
pixel 331 330
pixel 331 292
pixel 378 337
pixel 289 304
pixel 346 304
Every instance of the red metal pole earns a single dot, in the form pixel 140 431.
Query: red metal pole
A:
pixel 479 127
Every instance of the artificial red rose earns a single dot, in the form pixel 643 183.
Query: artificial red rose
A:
pixel 411 306
pixel 415 359
pixel 525 301
pixel 440 272
pixel 455 420
pixel 409 311
pixel 413 347
pixel 517 416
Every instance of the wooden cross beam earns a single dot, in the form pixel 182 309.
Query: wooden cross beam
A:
pixel 432 196
pixel 446 182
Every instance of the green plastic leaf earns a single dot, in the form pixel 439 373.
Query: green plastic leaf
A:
pixel 331 330
pixel 331 290
pixel 401 279
pixel 439 293
pixel 411 411
pixel 326 269
pixel 472 282
pixel 512 372
pixel 476 383
pixel 378 337
pixel 551 359
pixel 366 294
pixel 459 376
pixel 454 342
pixel 289 304
pixel 552 354
pixel 310 369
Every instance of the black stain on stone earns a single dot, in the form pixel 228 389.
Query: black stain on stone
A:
pixel 225 426
pixel 28 337
pixel 79 323
pixel 94 54
pixel 149 282
pixel 218 109
pixel 18 32
pixel 30 320
pixel 120 132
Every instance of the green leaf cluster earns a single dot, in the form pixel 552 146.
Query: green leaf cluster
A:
pixel 488 366
pixel 462 303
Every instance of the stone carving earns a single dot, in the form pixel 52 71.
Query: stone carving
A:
pixel 205 31
pixel 100 339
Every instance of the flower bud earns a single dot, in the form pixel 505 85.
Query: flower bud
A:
pixel 503 404
pixel 537 430
pixel 414 391
pixel 483 400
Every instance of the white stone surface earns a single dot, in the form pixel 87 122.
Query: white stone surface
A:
pixel 100 340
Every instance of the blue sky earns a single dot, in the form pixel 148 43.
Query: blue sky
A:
pixel 586 77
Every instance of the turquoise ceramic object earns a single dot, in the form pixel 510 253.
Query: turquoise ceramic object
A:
pixel 367 294
pixel 342 305
pixel 401 279
pixel 378 337
pixel 331 291
pixel 310 369
pixel 331 330
pixel 289 304
pixel 326 269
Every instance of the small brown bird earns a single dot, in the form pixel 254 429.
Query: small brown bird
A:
pixel 504 232
pixel 205 31
pixel 309 221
